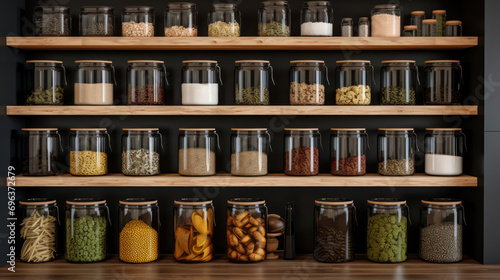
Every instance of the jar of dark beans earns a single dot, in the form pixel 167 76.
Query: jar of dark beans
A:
pixel 399 82
pixel 40 149
pixel 302 151
pixel 52 21
pixel 146 82
pixel 348 146
pixel 97 21
pixel 443 82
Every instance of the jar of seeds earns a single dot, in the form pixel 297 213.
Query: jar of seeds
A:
pixel 89 151
pixel 354 82
pixel 274 18
pixel 307 82
pixel 396 150
pixel 224 20
pixel 138 21
pixel 252 79
pixel 52 21
pixel 399 82
pixel 249 151
pixel 440 16
pixel 197 151
pixel 97 21
pixel 141 151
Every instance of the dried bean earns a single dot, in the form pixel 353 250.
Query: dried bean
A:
pixel 138 29
pixel 146 95
pixel 332 243
pixel 397 167
pixel 350 166
pixel 180 31
pixel 302 161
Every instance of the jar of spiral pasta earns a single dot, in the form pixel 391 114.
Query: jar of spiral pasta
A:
pixel 89 151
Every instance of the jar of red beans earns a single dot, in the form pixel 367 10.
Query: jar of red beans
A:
pixel 348 146
pixel 302 151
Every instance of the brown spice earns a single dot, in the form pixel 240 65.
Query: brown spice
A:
pixel 298 162
pixel 350 166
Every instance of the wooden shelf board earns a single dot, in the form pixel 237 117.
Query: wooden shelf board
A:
pixel 241 43
pixel 227 180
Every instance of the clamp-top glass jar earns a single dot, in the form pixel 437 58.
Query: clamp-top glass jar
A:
pixel 45 82
pixel 307 82
pixel 138 21
pixel 348 151
pixel 40 151
pixel 97 21
pixel 94 82
pixel 386 20
pixel 200 82
pixel 146 82
pixel 444 150
pixel 302 151
pixel 141 151
pixel 224 20
pixel 52 21
pixel 399 82
pixel 181 20
pixel 443 82
pixel 249 150
pixel 88 151
pixel 354 82
pixel 316 19
pixel 197 151
pixel 274 18
pixel 396 151
pixel 252 79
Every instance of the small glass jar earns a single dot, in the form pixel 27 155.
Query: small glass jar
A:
pixel 45 82
pixel 138 21
pixel 316 19
pixel 139 226
pixel 347 27
pixel 386 20
pixel 39 230
pixel 200 82
pixel 197 151
pixel 146 82
pixel 52 21
pixel 348 151
pixel 396 150
pixel 443 82
pixel 440 16
pixel 429 28
pixel 252 79
pixel 246 229
pixel 86 230
pixel 387 232
pixel 454 28
pixel 399 82
pixel 193 230
pixel 249 150
pixel 410 31
pixel 444 151
pixel 94 82
pixel 97 21
pixel 141 151
pixel 441 230
pixel 40 151
pixel 307 82
pixel 88 151
pixel 364 27
pixel 416 19
pixel 334 230
pixel 302 151
pixel 181 19
pixel 354 82
pixel 224 20
pixel 274 18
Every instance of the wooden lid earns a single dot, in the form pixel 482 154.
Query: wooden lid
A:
pixel 199 61
pixel 141 129
pixel 442 61
pixel 43 61
pixel 301 129
pixel 410 27
pixel 398 61
pixel 93 61
pixel 348 129
pixel 248 129
pixel 97 7
pixel 88 129
pixel 139 7
pixel 85 201
pixel 353 61
pixel 37 201
pixel 396 129
pixel 443 129
pixel 252 61
pixel 334 201
pixel 246 201
pixel 197 129
pixel 418 13
pixel 138 201
pixel 193 201
pixel 39 129
pixel 146 61
pixel 439 12
pixel 442 201
pixel 386 201
pixel 429 21
pixel 454 22
pixel 307 61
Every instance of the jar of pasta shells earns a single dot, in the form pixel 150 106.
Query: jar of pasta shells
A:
pixel 354 82
pixel 307 82
pixel 89 151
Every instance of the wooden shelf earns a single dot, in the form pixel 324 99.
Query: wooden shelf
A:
pixel 242 43
pixel 227 180
pixel 239 110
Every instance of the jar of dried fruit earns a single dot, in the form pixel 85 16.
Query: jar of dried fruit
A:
pixel 252 79
pixel 40 151
pixel 307 82
pixel 146 82
pixel 348 146
pixel 354 82
pixel 396 150
pixel 443 82
pixel 45 82
pixel 399 82
pixel 89 151
pixel 52 21
pixel 141 151
pixel 302 151
pixel 274 18
pixel 138 21
pixel 181 20
pixel 224 20
pixel 249 151
pixel 197 151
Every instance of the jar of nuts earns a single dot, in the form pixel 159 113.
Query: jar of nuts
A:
pixel 181 20
pixel 138 21
pixel 88 151
pixel 354 82
pixel 246 229
pixel 307 82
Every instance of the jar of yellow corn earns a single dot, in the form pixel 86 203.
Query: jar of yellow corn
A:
pixel 88 151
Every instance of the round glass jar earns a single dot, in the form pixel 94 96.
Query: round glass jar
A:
pixel 52 21
pixel 146 82
pixel 443 82
pixel 94 82
pixel 141 151
pixel 97 21
pixel 224 20
pixel 416 19
pixel 429 28
pixel 364 27
pixel 138 21
pixel 444 150
pixel 88 151
pixel 302 151
pixel 410 31
pixel 440 16
pixel 40 151
pixel 307 82
pixel 399 82
pixel 249 151
pixel 197 151
pixel 246 229
pixel 274 18
pixel 193 230
pixel 200 82
pixel 316 19
pixel 45 82
pixel 354 82
pixel 181 19
pixel 396 151
pixel 386 20
pixel 252 79
pixel 454 28
pixel 348 151
pixel 347 27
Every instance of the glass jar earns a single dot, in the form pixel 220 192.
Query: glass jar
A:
pixel 399 82
pixel 52 21
pixel 302 151
pixel 88 151
pixel 316 19
pixel 181 20
pixel 396 151
pixel 249 150
pixel 138 21
pixel 97 21
pixel 274 18
pixel 193 230
pixel 94 81
pixel 39 230
pixel 40 151
pixel 197 151
pixel 441 230
pixel 416 19
pixel 348 151
pixel 387 234
pixel 45 82
pixel 86 230
pixel 354 82
pixel 146 82
pixel 139 226
pixel 246 229
pixel 454 28
pixel 410 31
pixel 386 20
pixel 440 16
pixel 347 27
pixel 141 151
pixel 252 79
pixel 364 27
pixel 443 82
pixel 334 230
pixel 444 150
pixel 224 20
pixel 200 82
pixel 429 28
pixel 307 82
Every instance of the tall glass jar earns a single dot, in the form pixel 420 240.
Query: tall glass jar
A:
pixel 429 28
pixel 348 151
pixel 416 19
pixel 249 150
pixel 302 151
pixel 141 151
pixel 224 20
pixel 181 19
pixel 441 230
pixel 138 21
pixel 45 82
pixel 399 82
pixel 364 27
pixel 40 151
pixel 139 226
pixel 146 82
pixel 354 82
pixel 193 230
pixel 86 230
pixel 453 28
pixel 316 19
pixel 443 82
pixel 252 79
pixel 386 20
pixel 334 230
pixel 444 150
pixel 39 230
pixel 396 151
pixel 274 18
pixel 197 151
pixel 307 82
pixel 246 229
pixel 97 21
pixel 52 21
pixel 347 27
pixel 410 31
pixel 89 151
pixel 94 81
pixel 440 16
pixel 387 234
pixel 200 82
